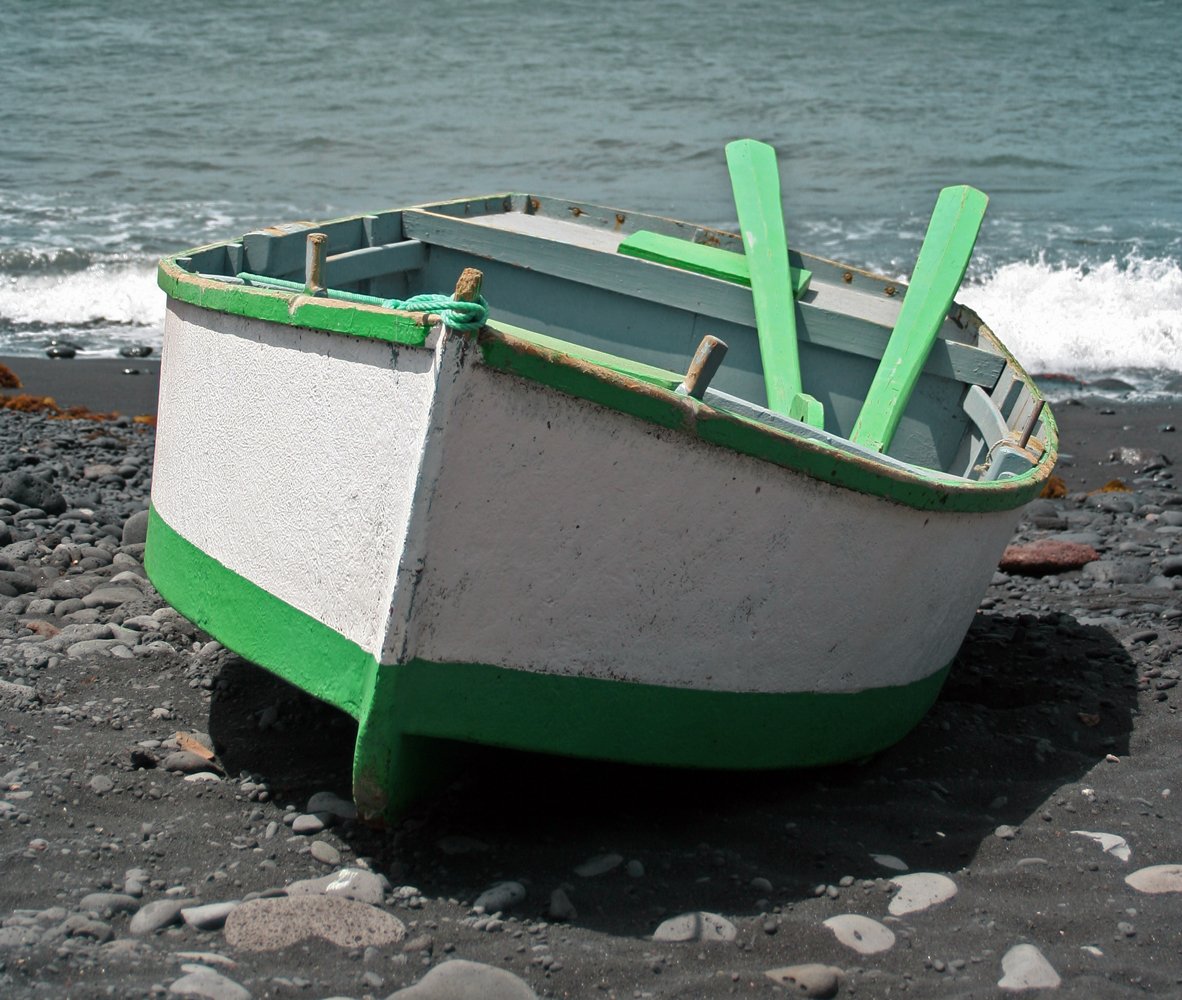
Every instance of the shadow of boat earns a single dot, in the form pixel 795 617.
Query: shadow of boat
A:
pixel 1031 705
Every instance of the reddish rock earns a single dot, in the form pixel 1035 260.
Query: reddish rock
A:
pixel 1047 556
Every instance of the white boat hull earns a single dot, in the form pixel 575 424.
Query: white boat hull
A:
pixel 452 531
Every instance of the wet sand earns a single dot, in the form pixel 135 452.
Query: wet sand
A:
pixel 124 385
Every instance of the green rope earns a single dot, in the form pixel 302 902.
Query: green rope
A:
pixel 467 317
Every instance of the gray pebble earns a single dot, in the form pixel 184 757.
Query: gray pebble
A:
pixel 1118 570
pixel 135 529
pixel 158 914
pixel 30 491
pixel 80 926
pixel 208 916
pixel 808 980
pixel 561 908
pixel 458 979
pixel 325 853
pixel 185 761
pixel 108 903
pixel 920 891
pixel 112 597
pixel 94 647
pixel 200 981
pixel 350 883
pixel 700 926
pixel 600 864
pixel 309 823
pixel 19 692
pixel 332 805
pixel 19 937
pixel 864 935
pixel 100 784
pixel 498 897
pixel 1024 967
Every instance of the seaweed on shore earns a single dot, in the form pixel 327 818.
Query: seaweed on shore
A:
pixel 26 403
pixel 8 378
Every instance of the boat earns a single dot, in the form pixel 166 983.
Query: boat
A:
pixel 478 472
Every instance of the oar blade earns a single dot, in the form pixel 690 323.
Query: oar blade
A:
pixel 939 270
pixel 755 181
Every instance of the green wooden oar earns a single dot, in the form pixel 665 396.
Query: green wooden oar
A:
pixel 755 181
pixel 943 258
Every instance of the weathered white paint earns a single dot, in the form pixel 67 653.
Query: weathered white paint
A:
pixel 290 456
pixel 548 534
pixel 563 537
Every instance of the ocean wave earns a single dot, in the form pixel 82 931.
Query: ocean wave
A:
pixel 21 261
pixel 120 294
pixel 1085 319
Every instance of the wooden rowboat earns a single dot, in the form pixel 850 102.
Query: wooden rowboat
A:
pixel 539 533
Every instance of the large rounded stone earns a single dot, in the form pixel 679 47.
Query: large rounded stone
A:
pixel 1047 556
pixel 279 922
pixel 1156 879
pixel 31 491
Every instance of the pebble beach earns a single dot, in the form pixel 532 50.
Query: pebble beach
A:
pixel 174 821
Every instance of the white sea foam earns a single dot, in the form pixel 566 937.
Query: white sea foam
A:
pixel 1086 320
pixel 124 293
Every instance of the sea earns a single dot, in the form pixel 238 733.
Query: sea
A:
pixel 131 130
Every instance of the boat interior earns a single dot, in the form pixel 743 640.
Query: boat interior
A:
pixel 637 294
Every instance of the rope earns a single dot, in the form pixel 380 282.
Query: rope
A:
pixel 467 317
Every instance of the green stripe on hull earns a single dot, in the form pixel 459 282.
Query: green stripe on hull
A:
pixel 407 711
pixel 254 623
pixel 651 724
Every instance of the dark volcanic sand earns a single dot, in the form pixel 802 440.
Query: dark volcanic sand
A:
pixel 123 385
pixel 1060 715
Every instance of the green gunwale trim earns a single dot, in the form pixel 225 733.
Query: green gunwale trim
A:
pixel 254 622
pixel 643 392
pixel 629 387
pixel 292 309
